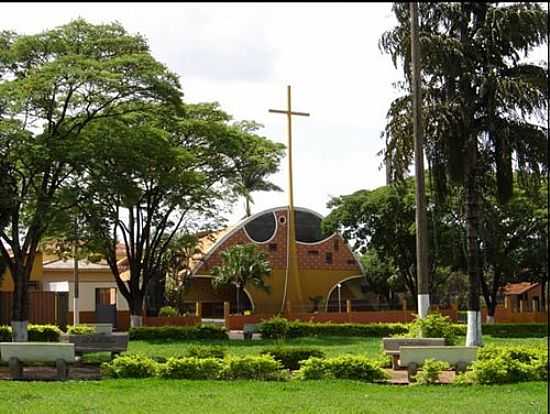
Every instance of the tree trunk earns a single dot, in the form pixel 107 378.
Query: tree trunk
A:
pixel 136 311
pixel 248 211
pixel 473 333
pixel 21 305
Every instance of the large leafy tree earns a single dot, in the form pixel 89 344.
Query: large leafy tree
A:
pixel 242 266
pixel 54 86
pixel 150 176
pixel 258 159
pixel 483 106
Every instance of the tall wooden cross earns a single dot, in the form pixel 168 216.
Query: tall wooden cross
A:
pixel 292 293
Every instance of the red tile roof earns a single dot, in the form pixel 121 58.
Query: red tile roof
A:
pixel 518 288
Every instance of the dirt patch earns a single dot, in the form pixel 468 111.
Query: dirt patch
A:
pixel 399 376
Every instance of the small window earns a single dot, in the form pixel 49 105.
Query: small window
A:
pixel 272 247
pixel 313 252
pixel 328 257
pixel 336 245
pixel 282 219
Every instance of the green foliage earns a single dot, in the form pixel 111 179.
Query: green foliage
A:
pixel 434 325
pixel 242 265
pixel 430 371
pixel 5 333
pixel 168 311
pixel 297 329
pixel 44 333
pixel 206 352
pixel 274 328
pixel 342 367
pixel 80 330
pixel 290 358
pixel 516 330
pixel 131 366
pixel 498 365
pixel 177 332
pixel 262 367
pixel 192 368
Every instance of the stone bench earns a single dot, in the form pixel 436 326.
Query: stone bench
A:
pixel 249 329
pixel 18 353
pixel 392 346
pixel 84 344
pixel 412 357
pixel 103 328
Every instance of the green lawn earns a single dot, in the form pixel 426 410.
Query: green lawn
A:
pixel 166 396
pixel 156 395
pixel 332 346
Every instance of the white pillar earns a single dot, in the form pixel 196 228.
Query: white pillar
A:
pixel 423 305
pixel 473 332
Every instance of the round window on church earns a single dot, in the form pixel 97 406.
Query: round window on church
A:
pixel 262 228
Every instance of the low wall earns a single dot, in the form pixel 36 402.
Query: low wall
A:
pixel 171 320
pixel 503 315
pixel 122 322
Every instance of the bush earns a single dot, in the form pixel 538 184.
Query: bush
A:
pixel 430 371
pixel 131 366
pixel 275 328
pixel 81 330
pixel 290 357
pixel 44 333
pixel 206 352
pixel 168 311
pixel 499 365
pixel 342 367
pixel 5 333
pixel 516 330
pixel 434 325
pixel 262 367
pixel 280 328
pixel 192 368
pixel 178 332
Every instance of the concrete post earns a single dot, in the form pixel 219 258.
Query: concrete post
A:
pixel 198 309
pixel 404 304
pixel 534 305
pixel 348 306
pixel 522 306
pixel 508 302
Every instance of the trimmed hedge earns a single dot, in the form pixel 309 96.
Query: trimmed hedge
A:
pixel 518 330
pixel 201 352
pixel 5 333
pixel 37 333
pixel 343 367
pixel 131 366
pixel 290 358
pixel 80 330
pixel 178 332
pixel 273 329
pixel 192 368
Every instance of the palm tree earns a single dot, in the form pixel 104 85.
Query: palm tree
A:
pixel 483 106
pixel 242 265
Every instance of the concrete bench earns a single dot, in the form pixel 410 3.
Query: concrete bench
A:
pixel 392 346
pixel 18 353
pixel 249 329
pixel 103 328
pixel 84 344
pixel 412 357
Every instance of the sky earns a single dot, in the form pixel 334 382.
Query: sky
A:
pixel 244 56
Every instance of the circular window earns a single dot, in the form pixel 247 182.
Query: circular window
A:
pixel 262 228
pixel 282 219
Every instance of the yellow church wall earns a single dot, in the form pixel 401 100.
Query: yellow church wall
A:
pixel 6 284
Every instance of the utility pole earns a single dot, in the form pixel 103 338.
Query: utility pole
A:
pixel 421 222
pixel 76 309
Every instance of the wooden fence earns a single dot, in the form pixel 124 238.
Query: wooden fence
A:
pixel 45 308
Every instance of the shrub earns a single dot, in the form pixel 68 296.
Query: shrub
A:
pixel 131 366
pixel 5 333
pixel 262 367
pixel 383 361
pixel 342 367
pixel 206 352
pixel 80 330
pixel 499 365
pixel 434 325
pixel 430 371
pixel 290 357
pixel 274 328
pixel 168 311
pixel 44 333
pixel 516 330
pixel 178 332
pixel 192 368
